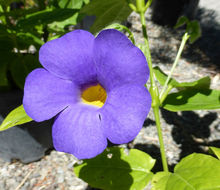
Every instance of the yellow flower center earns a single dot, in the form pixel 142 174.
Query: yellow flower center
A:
pixel 94 95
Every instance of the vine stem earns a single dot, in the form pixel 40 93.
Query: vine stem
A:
pixel 160 136
pixel 154 92
pixel 148 54
pixel 164 89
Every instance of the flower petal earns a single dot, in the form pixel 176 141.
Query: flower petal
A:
pixel 77 130
pixel 70 57
pixel 124 112
pixel 118 61
pixel 46 95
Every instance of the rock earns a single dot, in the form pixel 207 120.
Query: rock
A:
pixel 27 142
pixel 18 143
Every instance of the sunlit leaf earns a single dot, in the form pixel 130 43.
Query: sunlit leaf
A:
pixel 115 169
pixel 86 1
pixel 160 179
pixel 60 25
pixel 73 4
pixel 194 172
pixel 192 99
pixel 15 117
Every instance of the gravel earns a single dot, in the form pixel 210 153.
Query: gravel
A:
pixel 183 132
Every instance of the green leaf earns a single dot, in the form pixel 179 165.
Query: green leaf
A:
pixel 194 172
pixel 86 1
pixel 60 25
pixel 114 169
pixel 192 27
pixel 15 117
pixel 6 40
pixel 45 17
pixel 192 99
pixel 7 2
pixel 160 179
pixel 22 66
pixel 202 83
pixel 181 21
pixel 6 57
pixel 25 39
pixel 3 74
pixel 106 12
pixel 72 4
pixel 216 151
pixel 194 30
pixel 17 13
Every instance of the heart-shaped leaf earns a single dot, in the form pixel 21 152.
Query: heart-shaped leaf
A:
pixel 116 169
pixel 194 172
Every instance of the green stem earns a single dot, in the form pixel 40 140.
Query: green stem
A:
pixel 159 131
pixel 140 5
pixel 147 5
pixel 148 53
pixel 184 40
pixel 130 34
pixel 132 6
pixel 154 92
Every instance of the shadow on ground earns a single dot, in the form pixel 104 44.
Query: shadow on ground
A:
pixel 205 51
pixel 209 43
pixel 191 131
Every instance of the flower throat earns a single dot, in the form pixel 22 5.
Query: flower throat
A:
pixel 94 95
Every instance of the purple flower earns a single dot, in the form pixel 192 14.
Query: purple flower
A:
pixel 94 87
